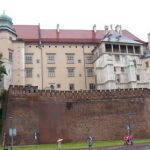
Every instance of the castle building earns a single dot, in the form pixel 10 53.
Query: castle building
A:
pixel 118 62
pixel 60 59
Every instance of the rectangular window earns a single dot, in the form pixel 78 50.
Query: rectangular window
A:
pixel 108 48
pixel 71 72
pixel 116 48
pixel 147 64
pixel 92 86
pixel 122 69
pixel 58 85
pixel 50 58
pixel 28 58
pixel 114 69
pixel 88 59
pixel 10 55
pixel 130 49
pixel 138 77
pixel 51 72
pixel 71 87
pixel 70 58
pixel 90 72
pixel 117 78
pixel 123 49
pixel 28 72
pixel 117 58
pixel 137 50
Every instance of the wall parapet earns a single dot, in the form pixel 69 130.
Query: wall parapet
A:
pixel 78 95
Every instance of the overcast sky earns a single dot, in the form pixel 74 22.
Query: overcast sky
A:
pixel 133 15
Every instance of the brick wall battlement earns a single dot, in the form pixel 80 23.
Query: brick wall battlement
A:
pixel 78 95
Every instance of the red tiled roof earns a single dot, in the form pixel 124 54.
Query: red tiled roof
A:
pixel 30 33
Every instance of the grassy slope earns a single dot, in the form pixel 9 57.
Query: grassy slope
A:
pixel 69 146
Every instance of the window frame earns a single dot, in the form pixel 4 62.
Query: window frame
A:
pixel 51 72
pixel 28 72
pixel 71 73
pixel 90 72
pixel 29 58
pixel 70 58
pixel 51 58
pixel 71 85
pixel 10 55
pixel 88 59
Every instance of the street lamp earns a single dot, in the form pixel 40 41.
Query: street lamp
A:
pixel 12 132
pixel 129 126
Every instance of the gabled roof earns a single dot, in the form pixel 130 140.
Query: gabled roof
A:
pixel 32 33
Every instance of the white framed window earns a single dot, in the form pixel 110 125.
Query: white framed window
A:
pixel 117 58
pixel 90 72
pixel 88 59
pixel 10 55
pixel 28 72
pixel 71 72
pixel 138 77
pixel 51 72
pixel 50 58
pixel 147 64
pixel 122 69
pixel 92 86
pixel 28 58
pixel 70 58
pixel 71 87
pixel 117 78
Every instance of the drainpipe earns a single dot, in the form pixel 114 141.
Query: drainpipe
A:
pixel 41 66
pixel 40 47
pixel 84 68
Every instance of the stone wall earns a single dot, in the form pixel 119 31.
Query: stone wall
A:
pixel 75 115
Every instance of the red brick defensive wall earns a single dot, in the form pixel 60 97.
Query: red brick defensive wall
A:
pixel 74 115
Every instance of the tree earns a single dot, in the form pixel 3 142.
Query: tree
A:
pixel 2 68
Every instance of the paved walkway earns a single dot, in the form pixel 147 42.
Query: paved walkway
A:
pixel 130 147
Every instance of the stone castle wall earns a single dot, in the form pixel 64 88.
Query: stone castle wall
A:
pixel 75 115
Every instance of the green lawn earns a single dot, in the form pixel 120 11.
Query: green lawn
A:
pixel 69 146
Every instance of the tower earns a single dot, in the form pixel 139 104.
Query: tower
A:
pixel 7 36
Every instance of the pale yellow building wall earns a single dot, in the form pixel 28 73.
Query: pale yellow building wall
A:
pixel 18 75
pixel 80 80
pixel 36 79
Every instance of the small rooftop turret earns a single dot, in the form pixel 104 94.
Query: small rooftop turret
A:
pixel 6 23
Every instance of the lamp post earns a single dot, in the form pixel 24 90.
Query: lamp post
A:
pixel 11 131
pixel 129 126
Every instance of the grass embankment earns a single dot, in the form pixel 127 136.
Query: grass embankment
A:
pixel 79 145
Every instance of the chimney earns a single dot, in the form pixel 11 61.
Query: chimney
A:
pixel 117 28
pixel 106 29
pixel 111 28
pixel 39 34
pixel 57 27
pixel 94 28
pixel 120 32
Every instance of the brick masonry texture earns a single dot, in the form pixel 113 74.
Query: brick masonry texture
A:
pixel 75 115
